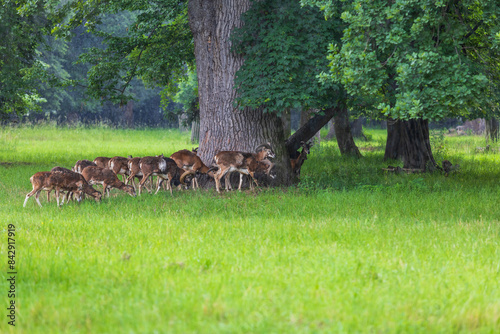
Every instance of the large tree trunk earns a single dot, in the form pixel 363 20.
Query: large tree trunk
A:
pixel 344 135
pixel 417 152
pixel 393 145
pixel 222 126
pixel 491 131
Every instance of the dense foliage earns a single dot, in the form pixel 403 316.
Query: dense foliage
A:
pixel 154 45
pixel 285 48
pixel 182 98
pixel 418 59
pixel 22 26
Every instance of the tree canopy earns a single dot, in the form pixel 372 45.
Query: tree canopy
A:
pixel 154 45
pixel 417 59
pixel 285 49
pixel 22 27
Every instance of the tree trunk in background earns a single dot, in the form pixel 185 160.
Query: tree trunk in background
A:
pixel 128 114
pixel 182 122
pixel 72 118
pixel 393 145
pixel 344 135
pixel 222 126
pixel 331 131
pixel 417 152
pixel 491 131
pixel 357 128
pixel 195 131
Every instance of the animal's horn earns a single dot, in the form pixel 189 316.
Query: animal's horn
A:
pixel 213 168
pixel 266 145
pixel 186 173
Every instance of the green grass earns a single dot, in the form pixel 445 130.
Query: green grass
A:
pixel 349 249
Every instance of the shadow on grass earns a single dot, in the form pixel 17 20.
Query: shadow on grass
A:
pixel 327 169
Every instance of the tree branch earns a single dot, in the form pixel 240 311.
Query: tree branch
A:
pixel 308 130
pixel 132 74
pixel 470 33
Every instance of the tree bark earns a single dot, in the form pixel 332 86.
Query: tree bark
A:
pixel 305 116
pixel 393 145
pixel 344 135
pixel 491 131
pixel 417 152
pixel 222 125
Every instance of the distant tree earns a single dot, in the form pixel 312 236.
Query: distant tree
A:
pixel 22 26
pixel 183 94
pixel 492 129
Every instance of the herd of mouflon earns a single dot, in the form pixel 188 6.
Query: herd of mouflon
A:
pixel 181 169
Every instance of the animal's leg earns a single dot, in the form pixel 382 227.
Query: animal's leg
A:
pixel 31 193
pixel 143 180
pixel 38 199
pixel 227 181
pixel 57 196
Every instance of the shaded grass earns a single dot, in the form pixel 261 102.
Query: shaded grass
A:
pixel 349 249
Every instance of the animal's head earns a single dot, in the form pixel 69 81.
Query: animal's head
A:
pixel 188 179
pixel 97 195
pixel 129 190
pixel 89 190
pixel 267 149
pixel 272 173
pixel 305 147
pixel 78 195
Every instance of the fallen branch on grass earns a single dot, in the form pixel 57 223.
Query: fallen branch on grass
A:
pixel 399 170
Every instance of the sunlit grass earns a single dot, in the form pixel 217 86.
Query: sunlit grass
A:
pixel 48 144
pixel 349 249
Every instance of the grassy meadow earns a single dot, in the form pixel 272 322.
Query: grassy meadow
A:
pixel 349 249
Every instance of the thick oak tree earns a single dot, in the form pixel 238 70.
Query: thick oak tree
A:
pixel 223 126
